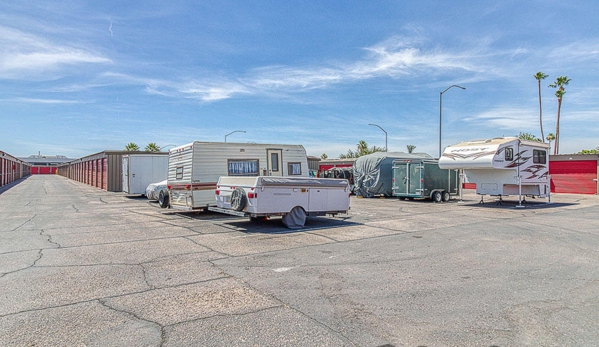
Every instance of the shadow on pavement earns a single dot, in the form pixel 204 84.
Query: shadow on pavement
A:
pixel 12 184
pixel 505 203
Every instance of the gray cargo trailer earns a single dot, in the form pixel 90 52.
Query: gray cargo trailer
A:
pixel 413 178
pixel 373 172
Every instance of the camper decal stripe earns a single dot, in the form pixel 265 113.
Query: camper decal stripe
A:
pixel 454 155
pixel 535 169
pixel 519 160
pixel 195 186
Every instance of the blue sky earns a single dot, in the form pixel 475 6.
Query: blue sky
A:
pixel 80 77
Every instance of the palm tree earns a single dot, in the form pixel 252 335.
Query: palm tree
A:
pixel 529 137
pixel 323 156
pixel 540 76
pixel 131 147
pixel 411 148
pixel 152 147
pixel 559 83
pixel 550 137
pixel 362 148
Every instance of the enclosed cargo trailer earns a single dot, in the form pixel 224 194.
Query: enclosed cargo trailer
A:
pixel 419 178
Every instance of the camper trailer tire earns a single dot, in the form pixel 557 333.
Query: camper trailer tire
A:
pixel 445 196
pixel 436 196
pixel 238 199
pixel 163 199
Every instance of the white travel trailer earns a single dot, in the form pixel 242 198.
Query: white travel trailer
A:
pixel 139 170
pixel 502 166
pixel 194 168
pixel 294 198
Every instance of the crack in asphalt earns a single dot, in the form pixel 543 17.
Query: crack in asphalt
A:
pixel 40 254
pixel 49 236
pixel 121 311
pixel 25 222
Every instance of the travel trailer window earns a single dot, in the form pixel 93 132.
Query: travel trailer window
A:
pixel 179 173
pixel 274 159
pixel 247 167
pixel 509 153
pixel 294 168
pixel 539 157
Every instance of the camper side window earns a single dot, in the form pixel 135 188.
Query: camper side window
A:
pixel 248 167
pixel 179 173
pixel 294 168
pixel 509 153
pixel 539 157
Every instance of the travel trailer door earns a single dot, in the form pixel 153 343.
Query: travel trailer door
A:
pixel 275 162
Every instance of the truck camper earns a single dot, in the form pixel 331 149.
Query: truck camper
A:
pixel 502 166
pixel 194 168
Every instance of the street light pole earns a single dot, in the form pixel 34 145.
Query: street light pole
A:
pixel 163 147
pixel 232 132
pixel 376 125
pixel 441 110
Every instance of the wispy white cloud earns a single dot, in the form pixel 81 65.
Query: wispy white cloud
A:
pixel 507 118
pixel 25 55
pixel 46 101
pixel 395 58
pixel 581 50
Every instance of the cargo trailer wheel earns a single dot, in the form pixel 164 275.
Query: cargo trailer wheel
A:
pixel 163 199
pixel 238 199
pixel 437 196
pixel 445 196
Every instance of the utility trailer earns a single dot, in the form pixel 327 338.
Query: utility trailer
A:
pixel 293 198
pixel 139 170
pixel 194 169
pixel 422 178
pixel 502 166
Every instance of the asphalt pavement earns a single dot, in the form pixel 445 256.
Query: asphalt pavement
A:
pixel 84 267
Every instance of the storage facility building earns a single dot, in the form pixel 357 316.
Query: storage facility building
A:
pixel 12 168
pixel 102 170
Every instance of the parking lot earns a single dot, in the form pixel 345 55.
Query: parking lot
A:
pixel 84 267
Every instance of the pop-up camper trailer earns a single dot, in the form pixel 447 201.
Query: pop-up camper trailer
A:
pixel 194 168
pixel 502 166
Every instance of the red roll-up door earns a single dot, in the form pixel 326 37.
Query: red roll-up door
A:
pixel 573 177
